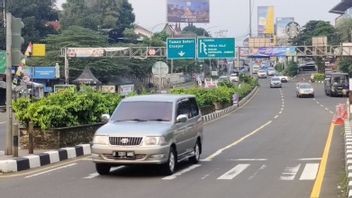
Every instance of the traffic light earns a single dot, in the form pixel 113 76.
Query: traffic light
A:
pixel 17 40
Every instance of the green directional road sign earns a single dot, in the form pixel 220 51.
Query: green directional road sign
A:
pixel 209 48
pixel 2 62
pixel 181 48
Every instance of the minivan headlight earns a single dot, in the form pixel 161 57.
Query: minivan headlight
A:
pixel 101 139
pixel 152 141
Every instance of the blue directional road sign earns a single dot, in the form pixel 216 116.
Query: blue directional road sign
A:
pixel 209 48
pixel 181 48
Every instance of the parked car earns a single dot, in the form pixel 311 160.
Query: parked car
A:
pixel 152 129
pixel 304 89
pixel 275 82
pixel 223 79
pixel 261 74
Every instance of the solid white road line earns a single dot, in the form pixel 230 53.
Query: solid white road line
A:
pixel 310 171
pixel 51 170
pixel 290 173
pixel 91 176
pixel 234 172
pixel 175 175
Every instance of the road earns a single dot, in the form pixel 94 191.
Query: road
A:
pixel 272 147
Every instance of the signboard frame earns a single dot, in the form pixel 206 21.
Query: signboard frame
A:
pixel 194 56
pixel 233 55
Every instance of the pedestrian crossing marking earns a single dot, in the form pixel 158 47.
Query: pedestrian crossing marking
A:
pixel 229 175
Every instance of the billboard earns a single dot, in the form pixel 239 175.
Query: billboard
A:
pixel 281 23
pixel 273 52
pixel 188 11
pixel 266 22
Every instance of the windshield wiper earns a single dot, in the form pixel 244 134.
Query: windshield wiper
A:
pixel 135 120
pixel 159 120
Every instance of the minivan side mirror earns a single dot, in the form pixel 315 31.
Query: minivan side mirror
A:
pixel 182 118
pixel 105 117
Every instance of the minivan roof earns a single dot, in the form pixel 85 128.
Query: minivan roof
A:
pixel 157 98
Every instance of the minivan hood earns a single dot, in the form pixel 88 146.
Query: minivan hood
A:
pixel 134 129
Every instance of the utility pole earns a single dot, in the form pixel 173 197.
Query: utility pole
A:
pixel 250 18
pixel 8 143
pixel 67 71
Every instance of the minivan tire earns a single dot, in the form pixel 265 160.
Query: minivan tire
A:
pixel 169 167
pixel 197 150
pixel 102 169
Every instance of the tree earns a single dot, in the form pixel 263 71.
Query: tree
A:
pixel 316 28
pixel 344 30
pixel 345 65
pixel 112 16
pixel 195 30
pixel 125 21
pixel 35 14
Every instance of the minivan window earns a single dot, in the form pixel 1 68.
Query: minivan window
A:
pixel 194 107
pixel 184 107
pixel 143 111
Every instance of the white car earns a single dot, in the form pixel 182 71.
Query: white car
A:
pixel 234 78
pixel 261 74
pixel 275 82
pixel 304 89
pixel 271 72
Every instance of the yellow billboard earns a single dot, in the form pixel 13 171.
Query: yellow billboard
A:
pixel 266 23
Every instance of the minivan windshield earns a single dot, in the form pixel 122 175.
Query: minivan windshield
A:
pixel 143 111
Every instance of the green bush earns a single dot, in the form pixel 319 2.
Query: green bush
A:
pixel 279 67
pixel 292 69
pixel 66 108
pixel 319 77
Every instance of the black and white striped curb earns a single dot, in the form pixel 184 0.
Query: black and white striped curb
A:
pixel 42 159
pixel 348 155
pixel 219 113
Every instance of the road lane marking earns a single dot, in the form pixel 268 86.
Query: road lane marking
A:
pixel 322 168
pixel 1 123
pixel 290 173
pixel 218 152
pixel 310 159
pixel 175 175
pixel 310 171
pixel 233 172
pixel 93 175
pixel 276 117
pixel 322 105
pixel 331 112
pixel 2 153
pixel 51 170
pixel 318 102
pixel 249 160
pixel 256 172
pixel 326 109
pixel 280 112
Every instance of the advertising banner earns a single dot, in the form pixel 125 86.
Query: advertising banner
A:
pixel 266 22
pixel 281 23
pixel 2 62
pixel 91 52
pixel 188 11
pixel 273 52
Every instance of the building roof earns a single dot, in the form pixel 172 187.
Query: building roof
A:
pixel 341 7
pixel 87 77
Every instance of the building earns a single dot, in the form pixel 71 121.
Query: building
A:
pixel 344 9
pixel 142 32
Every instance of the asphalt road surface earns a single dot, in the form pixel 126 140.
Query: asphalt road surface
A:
pixel 270 148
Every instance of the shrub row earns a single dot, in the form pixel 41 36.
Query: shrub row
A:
pixel 71 108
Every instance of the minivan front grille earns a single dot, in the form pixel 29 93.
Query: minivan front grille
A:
pixel 125 141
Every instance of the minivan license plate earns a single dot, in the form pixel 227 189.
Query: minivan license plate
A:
pixel 124 154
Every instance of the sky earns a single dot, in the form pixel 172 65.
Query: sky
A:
pixel 232 16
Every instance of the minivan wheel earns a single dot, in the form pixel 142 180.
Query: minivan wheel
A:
pixel 169 166
pixel 102 169
pixel 197 148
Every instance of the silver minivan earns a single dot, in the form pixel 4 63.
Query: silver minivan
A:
pixel 152 129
